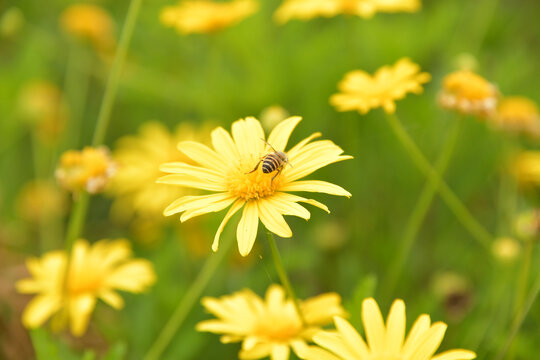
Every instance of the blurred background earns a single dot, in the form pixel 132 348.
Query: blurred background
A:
pixel 206 80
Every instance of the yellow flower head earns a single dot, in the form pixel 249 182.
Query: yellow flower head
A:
pixel 527 224
pixel 89 169
pixel 506 249
pixel 39 200
pixel 309 9
pixel 233 170
pixel 273 115
pixel 271 326
pixel 517 114
pixel 41 104
pixel 384 342
pixel 91 23
pixel 205 16
pixel 468 93
pixel 526 168
pixel 138 159
pixel 95 271
pixel 363 92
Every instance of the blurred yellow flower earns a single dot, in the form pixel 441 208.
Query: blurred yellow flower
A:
pixel 363 92
pixel 383 341
pixel 138 159
pixel 468 93
pixel 11 22
pixel 269 327
pixel 40 200
pixel 517 114
pixel 309 9
pixel 506 249
pixel 230 170
pixel 526 168
pixel 42 105
pixel 95 271
pixel 527 224
pixel 205 16
pixel 90 23
pixel 89 169
pixel 272 115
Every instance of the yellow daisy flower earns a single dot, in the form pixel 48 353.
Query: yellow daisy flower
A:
pixel 383 342
pixel 468 93
pixel 95 271
pixel 89 169
pixel 526 168
pixel 90 22
pixel 205 16
pixel 138 159
pixel 232 170
pixel 269 327
pixel 309 9
pixel 363 92
pixel 506 249
pixel 517 114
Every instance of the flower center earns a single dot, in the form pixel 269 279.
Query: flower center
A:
pixel 80 282
pixel 255 185
pixel 278 329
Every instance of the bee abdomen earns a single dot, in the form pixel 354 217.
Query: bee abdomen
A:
pixel 270 163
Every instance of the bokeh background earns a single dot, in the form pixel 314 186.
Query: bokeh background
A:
pixel 214 79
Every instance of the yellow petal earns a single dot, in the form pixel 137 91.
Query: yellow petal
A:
pixel 247 134
pixel 351 337
pixel 280 352
pixel 234 208
pixel 39 309
pixel 334 342
pixel 190 170
pixel 246 231
pixel 259 351
pixel 214 207
pixel 272 219
pixel 316 353
pixel 224 144
pixel 280 134
pixel 80 310
pixel 420 326
pixel 286 204
pixel 395 327
pixel 300 146
pixel 320 310
pixel 374 325
pixel 191 182
pixel 456 354
pixel 316 186
pixel 430 341
pixel 203 155
pixel 194 202
pixel 133 276
pixel 112 298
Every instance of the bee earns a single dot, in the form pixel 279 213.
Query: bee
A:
pixel 272 162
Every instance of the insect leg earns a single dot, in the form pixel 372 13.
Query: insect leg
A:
pixel 256 166
pixel 273 177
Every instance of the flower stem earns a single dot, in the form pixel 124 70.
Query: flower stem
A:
pixel 116 71
pixel 523 279
pixel 186 304
pixel 452 201
pixel 420 210
pixel 520 317
pixel 282 273
pixel 76 219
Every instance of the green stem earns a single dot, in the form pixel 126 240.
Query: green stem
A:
pixel 520 317
pixel 282 273
pixel 452 201
pixel 420 210
pixel 116 72
pixel 186 304
pixel 523 279
pixel 76 219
